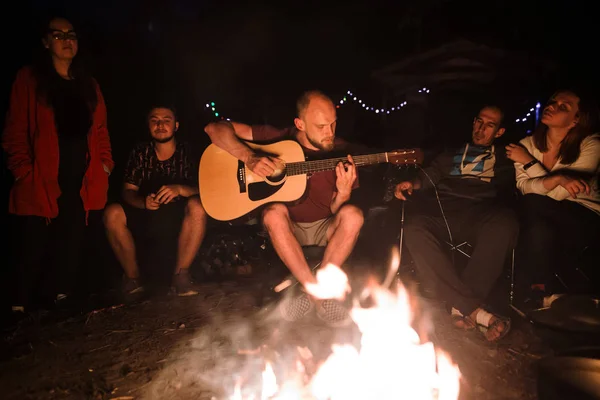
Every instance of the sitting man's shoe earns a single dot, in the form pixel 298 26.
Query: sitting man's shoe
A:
pixel 493 327
pixel 18 309
pixel 333 313
pixel 183 284
pixel 294 308
pixel 548 300
pixel 131 286
pixel 17 314
pixel 64 301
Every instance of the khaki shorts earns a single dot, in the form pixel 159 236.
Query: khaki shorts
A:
pixel 312 233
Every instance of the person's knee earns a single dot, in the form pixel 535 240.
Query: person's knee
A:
pixel 195 210
pixel 274 215
pixel 114 216
pixel 352 216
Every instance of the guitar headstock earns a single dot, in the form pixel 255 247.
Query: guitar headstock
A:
pixel 406 156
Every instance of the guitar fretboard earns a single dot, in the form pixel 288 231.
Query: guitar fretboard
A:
pixel 307 167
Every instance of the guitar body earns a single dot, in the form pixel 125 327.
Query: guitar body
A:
pixel 229 190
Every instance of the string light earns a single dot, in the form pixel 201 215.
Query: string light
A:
pixel 352 97
pixel 211 106
pixel 528 117
pixel 346 99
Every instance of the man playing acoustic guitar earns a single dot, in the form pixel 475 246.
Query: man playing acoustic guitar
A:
pixel 322 216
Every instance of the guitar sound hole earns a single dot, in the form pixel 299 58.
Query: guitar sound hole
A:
pixel 277 176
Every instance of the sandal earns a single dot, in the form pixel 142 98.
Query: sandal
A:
pixel 460 321
pixel 486 325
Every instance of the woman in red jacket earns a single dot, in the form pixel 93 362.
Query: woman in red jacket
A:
pixel 58 150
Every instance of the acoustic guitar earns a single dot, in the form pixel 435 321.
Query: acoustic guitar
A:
pixel 229 190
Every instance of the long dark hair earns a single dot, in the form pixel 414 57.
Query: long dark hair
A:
pixel 570 147
pixel 48 80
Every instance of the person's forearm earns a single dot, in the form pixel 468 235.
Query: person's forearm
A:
pixel 187 191
pixel 551 182
pixel 338 201
pixel 223 135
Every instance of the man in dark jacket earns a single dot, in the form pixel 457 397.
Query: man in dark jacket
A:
pixel 464 199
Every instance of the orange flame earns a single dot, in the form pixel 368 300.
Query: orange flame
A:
pixel 332 283
pixel 392 362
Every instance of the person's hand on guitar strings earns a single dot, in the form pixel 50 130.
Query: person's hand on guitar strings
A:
pixel 261 165
pixel 346 175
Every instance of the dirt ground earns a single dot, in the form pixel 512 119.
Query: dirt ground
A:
pixel 168 347
pixel 187 348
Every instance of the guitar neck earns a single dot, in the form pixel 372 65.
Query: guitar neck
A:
pixel 307 167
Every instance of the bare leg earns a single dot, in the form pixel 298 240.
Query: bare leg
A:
pixel 342 235
pixel 278 224
pixel 120 239
pixel 192 233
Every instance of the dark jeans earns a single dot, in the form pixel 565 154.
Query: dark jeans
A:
pixel 490 228
pixel 49 251
pixel 156 235
pixel 162 223
pixel 553 236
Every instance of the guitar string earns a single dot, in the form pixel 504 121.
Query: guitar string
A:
pixel 323 165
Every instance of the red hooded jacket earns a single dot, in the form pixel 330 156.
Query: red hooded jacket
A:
pixel 30 141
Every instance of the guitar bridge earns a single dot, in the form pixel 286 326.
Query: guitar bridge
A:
pixel 241 176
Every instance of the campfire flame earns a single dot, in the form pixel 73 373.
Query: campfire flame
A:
pixel 393 361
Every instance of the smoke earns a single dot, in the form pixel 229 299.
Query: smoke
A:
pixel 232 348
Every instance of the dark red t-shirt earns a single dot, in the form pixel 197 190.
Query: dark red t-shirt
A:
pixel 316 202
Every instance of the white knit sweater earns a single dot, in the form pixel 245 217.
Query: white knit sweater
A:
pixel 530 181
